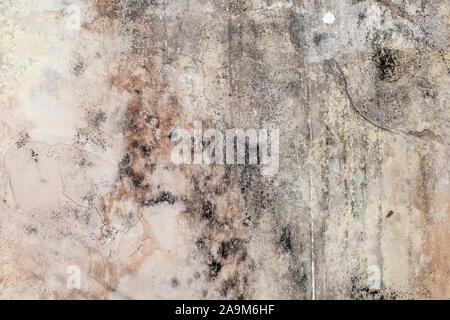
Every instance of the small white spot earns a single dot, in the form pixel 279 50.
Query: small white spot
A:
pixel 328 18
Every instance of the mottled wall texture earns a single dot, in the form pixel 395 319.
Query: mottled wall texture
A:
pixel 92 206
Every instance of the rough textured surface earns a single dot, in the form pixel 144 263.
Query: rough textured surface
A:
pixel 85 139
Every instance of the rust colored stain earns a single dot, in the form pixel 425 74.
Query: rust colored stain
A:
pixel 437 274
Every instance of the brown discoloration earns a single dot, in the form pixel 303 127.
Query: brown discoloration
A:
pixel 421 198
pixel 222 230
pixel 109 9
pixel 146 128
pixel 437 272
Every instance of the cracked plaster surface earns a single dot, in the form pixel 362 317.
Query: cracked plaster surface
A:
pixel 86 178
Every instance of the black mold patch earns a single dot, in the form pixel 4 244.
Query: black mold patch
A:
pixel 256 195
pixel 126 161
pixel 361 18
pixel 84 135
pixel 207 210
pixel 298 275
pixel 79 67
pixel 135 9
pixel 84 163
pixel 285 240
pixel 23 140
pixel 237 7
pixel 163 197
pixel 214 268
pixel 34 156
pixel 386 61
pixel 174 282
pixel 200 243
pixel 96 118
pixel 228 247
pixel 224 234
pixel 30 229
pixel 82 216
pixel 363 292
pixel 360 291
pixel 229 285
pixel 318 38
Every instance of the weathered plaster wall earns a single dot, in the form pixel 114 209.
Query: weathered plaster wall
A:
pixel 86 177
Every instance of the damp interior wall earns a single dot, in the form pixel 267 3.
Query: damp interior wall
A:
pixel 92 91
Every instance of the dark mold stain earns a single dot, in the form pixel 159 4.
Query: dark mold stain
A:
pixel 229 285
pixel 34 156
pixel 126 161
pixel 174 282
pixel 207 210
pixel 361 18
pixel 163 197
pixel 84 163
pixel 319 37
pixel 222 239
pixel 85 135
pixel 136 9
pixel 386 61
pixel 95 119
pixel 23 140
pixel 228 247
pixel 83 216
pixel 298 275
pixel 200 243
pixel 223 204
pixel 237 7
pixel 30 229
pixel 362 292
pixel 79 68
pixel 214 268
pixel 256 195
pixel 285 240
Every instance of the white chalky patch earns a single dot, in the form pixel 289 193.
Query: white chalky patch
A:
pixel 328 18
